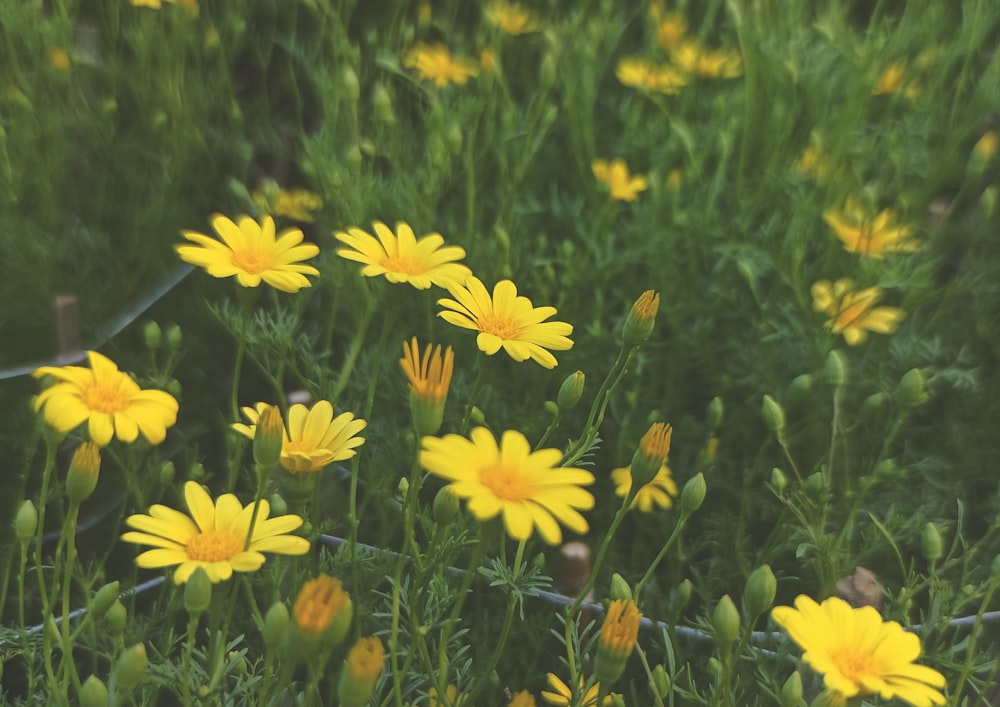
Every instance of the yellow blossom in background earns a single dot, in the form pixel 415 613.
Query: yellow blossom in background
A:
pixel 297 204
pixel 522 699
pixel 155 4
pixel 108 400
pixel 659 492
pixel 562 696
pixel 699 60
pixel 402 257
pixel 986 146
pixel 853 314
pixel 455 698
pixel 858 653
pixel 314 438
pixel 512 17
pixel 251 252
pixel 813 163
pixel 528 489
pixel 213 536
pixel 868 235
pixel 58 59
pixel 434 62
pixel 675 179
pixel 639 73
pixel 488 58
pixel 894 80
pixel 506 320
pixel 670 30
pixel 622 185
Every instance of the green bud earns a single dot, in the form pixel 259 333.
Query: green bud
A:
pixel 367 147
pixel 682 594
pixel 152 335
pixel 268 439
pixel 815 484
pixel 547 72
pixel 93 693
pixel 759 591
pixel 237 663
pixel 403 487
pixel 477 416
pixel 836 368
pixel 278 505
pixel 130 668
pixel 275 624
pixel 799 386
pixel 640 320
pixel 774 415
pixel 167 472
pixel 617 700
pixel 871 405
pixel 197 472
pixel 779 482
pixel 551 407
pixel 791 691
pixel 661 681
pixel 174 337
pixel 887 469
pixel 352 87
pixel 693 494
pixel 571 391
pixel 620 588
pixel 930 543
pixel 910 392
pixel 382 104
pixel 197 593
pixel 454 139
pixel 713 415
pixel 117 617
pixel 714 667
pixel 174 387
pixel 538 562
pixel 26 521
pixel 445 506
pixel 84 469
pixel 726 621
pixel 352 158
pixel 103 599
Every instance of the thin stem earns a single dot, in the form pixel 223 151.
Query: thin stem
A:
pixel 476 388
pixel 69 529
pixel 50 461
pixel 409 513
pixel 681 521
pixel 241 345
pixel 449 627
pixel 192 630
pixel 556 419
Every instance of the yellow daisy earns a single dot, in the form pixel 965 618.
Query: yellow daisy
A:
pixel 699 60
pixel 639 73
pixel 506 320
pixel 296 204
pixel 212 537
pixel 529 489
pixel 853 314
pixel 670 30
pixel 622 185
pixel 455 698
pixel 251 252
pixel 858 653
pixel 512 17
pixel 659 492
pixel 522 699
pixel 404 258
pixel 562 695
pixel 433 62
pixel 108 400
pixel 313 438
pixel 868 235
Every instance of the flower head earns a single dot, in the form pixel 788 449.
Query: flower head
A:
pixel 361 669
pixel 659 492
pixel 699 60
pixel 651 454
pixel 619 633
pixel 250 251
pixel 111 403
pixel 670 29
pixel 323 609
pixel 213 536
pixel 512 17
pixel 527 488
pixel 313 438
pixel 506 320
pixel 81 479
pixel 296 204
pixel 813 163
pixel 563 696
pixel 639 73
pixel 868 235
pixel 853 314
pixel 895 80
pixel 622 185
pixel 433 62
pixel 639 322
pixel 404 258
pixel 858 653
pixel 429 378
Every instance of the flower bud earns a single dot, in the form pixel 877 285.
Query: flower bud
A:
pixel 726 620
pixel 454 139
pixel 26 521
pixel 167 473
pixel 279 506
pixel 551 407
pixel 93 693
pixel 152 335
pixel 174 387
pixel 836 368
pixel 887 469
pixel 983 151
pixel 197 472
pixel 791 691
pixel 693 494
pixel 871 405
pixel 759 591
pixel 620 588
pixel 268 438
pixel 275 624
pixel 547 72
pixel 353 159
pixel 682 595
pixel 930 543
pixel 774 415
pixel 617 700
pixel 476 416
pixel 361 669
pixel 352 87
pixel 130 668
pixel 174 337
pixel 799 386
pixel 715 668
pixel 571 391
pixel 197 593
pixel 815 484
pixel 403 487
pixel 779 482
pixel 650 455
pixel 639 322
pixel 322 614
pixel 713 415
pixel 616 641
pixel 661 681
pixel 84 469
pixel 117 617
pixel 104 599
pixel 382 104
pixel 445 506
pixel 910 392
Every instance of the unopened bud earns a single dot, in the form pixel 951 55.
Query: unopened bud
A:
pixel 713 415
pixel 715 668
pixel 640 319
pixel 547 72
pixel 197 593
pixel 815 484
pixel 887 469
pixel 403 487
pixel 197 471
pixel 774 415
pixel 836 368
pixel 361 669
pixel 26 521
pixel 620 588
pixel 759 591
pixel 454 139
pixel 279 506
pixel 152 335
pixel 382 104
pixel 84 468
pixel 871 405
pixel 779 482
pixel 167 473
pixel 726 620
pixel 268 438
pixel 693 494
pixel 130 668
pixel 571 391
pixel 275 624
pixel 477 416
pixel 445 506
pixel 682 595
pixel 930 543
pixel 117 617
pixel 791 691
pixel 104 599
pixel 799 386
pixel 910 392
pixel 174 387
pixel 651 454
pixel 661 681
pixel 352 158
pixel 352 87
pixel 93 693
pixel 174 337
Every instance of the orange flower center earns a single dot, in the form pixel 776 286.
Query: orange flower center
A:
pixel 505 483
pixel 502 327
pixel 402 264
pixel 252 261
pixel 215 545
pixel 850 314
pixel 854 665
pixel 106 398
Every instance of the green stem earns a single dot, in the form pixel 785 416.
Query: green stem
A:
pixel 69 530
pixel 262 482
pixel 970 650
pixel 409 514
pixel 352 356
pixel 50 462
pixel 649 676
pixel 476 388
pixel 597 410
pixel 456 610
pixel 674 536
pixel 241 346
pixel 192 630
pixel 556 419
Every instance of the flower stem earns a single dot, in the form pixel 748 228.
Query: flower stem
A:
pixel 596 417
pixel 476 388
pixel 409 513
pixel 241 345
pixel 449 627
pixel 681 521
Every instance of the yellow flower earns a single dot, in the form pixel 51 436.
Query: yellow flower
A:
pixel 488 58
pixel 429 378
pixel 251 253
pixel 894 80
pixel 619 633
pixel 506 320
pixel 314 438
pixel 296 204
pixel 622 185
pixel 853 314
pixel 361 669
pixel 858 653
pixel 708 63
pixel 404 258
pixel 639 73
pixel 433 62
pixel 639 322
pixel 155 4
pixel 455 698
pixel 986 146
pixel 870 236
pixel 111 403
pixel 562 695
pixel 660 491
pixel 512 17
pixel 58 58
pixel 323 608
pixel 527 488
pixel 522 699
pixel 213 536
pixel 670 30
pixel 812 163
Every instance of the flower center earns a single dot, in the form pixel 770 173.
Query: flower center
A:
pixel 402 264
pixel 855 665
pixel 850 314
pixel 215 545
pixel 106 398
pixel 502 327
pixel 252 261
pixel 505 483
